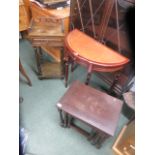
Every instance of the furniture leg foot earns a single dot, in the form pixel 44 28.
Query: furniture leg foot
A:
pixel 61 118
pixel 88 78
pixel 65 120
pixel 24 73
pixel 101 140
pixel 99 143
pixel 91 135
pixel 116 79
pixel 95 139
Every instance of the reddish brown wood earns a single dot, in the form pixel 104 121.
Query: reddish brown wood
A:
pixel 22 70
pixel 97 109
pixel 88 52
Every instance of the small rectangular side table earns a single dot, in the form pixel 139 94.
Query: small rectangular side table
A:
pixel 47 31
pixel 98 110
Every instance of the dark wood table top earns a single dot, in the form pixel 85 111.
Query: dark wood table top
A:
pixel 91 106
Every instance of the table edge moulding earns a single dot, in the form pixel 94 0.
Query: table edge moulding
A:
pixel 84 50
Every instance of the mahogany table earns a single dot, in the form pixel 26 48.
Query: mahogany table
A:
pixel 97 109
pixel 86 51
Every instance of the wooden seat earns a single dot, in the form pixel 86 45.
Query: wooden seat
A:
pixel 88 52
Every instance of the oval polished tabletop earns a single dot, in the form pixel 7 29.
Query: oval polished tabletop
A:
pixel 88 48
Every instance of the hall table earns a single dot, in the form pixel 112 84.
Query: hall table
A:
pixel 86 51
pixel 97 109
pixel 46 33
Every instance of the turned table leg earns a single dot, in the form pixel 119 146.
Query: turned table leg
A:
pixel 102 138
pixel 66 73
pixel 91 135
pixel 88 78
pixel 95 139
pixel 116 79
pixel 65 119
pixel 37 55
pixel 89 74
pixel 24 73
pixel 61 118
